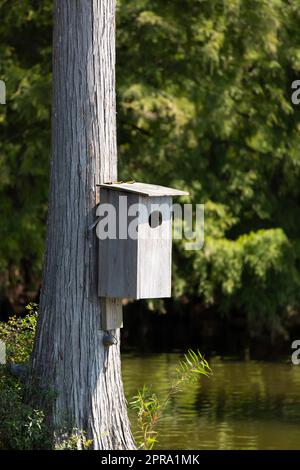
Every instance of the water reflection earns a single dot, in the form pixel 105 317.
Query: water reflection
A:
pixel 254 405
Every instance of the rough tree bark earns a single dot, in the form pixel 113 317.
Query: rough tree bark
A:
pixel 69 356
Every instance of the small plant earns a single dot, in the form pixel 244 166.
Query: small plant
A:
pixel 18 335
pixel 76 441
pixel 150 408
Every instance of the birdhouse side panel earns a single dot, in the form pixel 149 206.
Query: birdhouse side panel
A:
pixel 118 257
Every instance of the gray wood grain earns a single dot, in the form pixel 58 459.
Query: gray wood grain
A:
pixel 155 252
pixel 137 268
pixel 118 258
pixel 145 189
pixel 111 314
pixel 69 355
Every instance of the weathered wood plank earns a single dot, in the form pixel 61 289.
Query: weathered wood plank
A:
pixel 151 190
pixel 111 314
pixel 155 252
pixel 117 258
pixel 137 268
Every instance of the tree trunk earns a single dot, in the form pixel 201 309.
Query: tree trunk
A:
pixel 69 357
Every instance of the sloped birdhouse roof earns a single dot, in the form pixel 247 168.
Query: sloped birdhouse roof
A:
pixel 144 189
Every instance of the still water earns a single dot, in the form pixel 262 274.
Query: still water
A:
pixel 244 405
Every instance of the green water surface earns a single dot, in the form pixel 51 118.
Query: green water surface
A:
pixel 245 405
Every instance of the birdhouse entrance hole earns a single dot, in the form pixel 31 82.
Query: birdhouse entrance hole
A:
pixel 155 219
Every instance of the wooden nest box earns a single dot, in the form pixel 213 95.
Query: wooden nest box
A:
pixel 135 252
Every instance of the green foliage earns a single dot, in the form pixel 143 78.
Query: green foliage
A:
pixel 77 440
pixel 21 426
pixel 18 335
pixel 191 367
pixel 150 408
pixel 203 99
pixel 204 102
pixel 25 66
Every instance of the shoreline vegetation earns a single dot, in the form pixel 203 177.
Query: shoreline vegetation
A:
pixel 24 427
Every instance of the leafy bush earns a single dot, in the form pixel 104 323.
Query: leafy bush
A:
pixel 18 335
pixel 21 426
